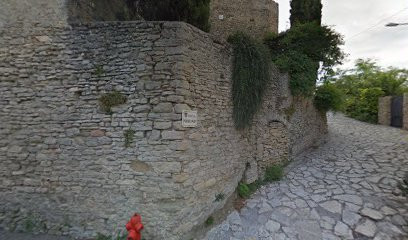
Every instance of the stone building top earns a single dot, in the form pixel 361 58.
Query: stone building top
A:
pixel 255 17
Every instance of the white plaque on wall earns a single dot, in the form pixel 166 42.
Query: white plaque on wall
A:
pixel 189 119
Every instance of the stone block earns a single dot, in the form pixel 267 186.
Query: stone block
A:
pixel 166 167
pixel 405 112
pixel 179 108
pixel 162 125
pixel 384 110
pixel 163 108
pixel 172 135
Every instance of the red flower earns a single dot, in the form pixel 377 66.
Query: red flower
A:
pixel 134 226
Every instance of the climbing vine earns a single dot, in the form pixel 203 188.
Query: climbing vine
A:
pixel 301 50
pixel 251 72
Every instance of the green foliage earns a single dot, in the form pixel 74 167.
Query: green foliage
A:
pixel 403 185
pixel 299 51
pixel 100 236
pixel 328 98
pixel 99 71
pixel 319 43
pixel 251 73
pixel 364 106
pixel 303 11
pixel 364 84
pixel 129 136
pixel 243 190
pixel 302 71
pixel 195 12
pixel 109 100
pixel 33 223
pixel 219 197
pixel 29 224
pixel 290 111
pixel 273 173
pixel 209 221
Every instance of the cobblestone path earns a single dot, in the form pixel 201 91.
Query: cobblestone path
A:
pixel 345 189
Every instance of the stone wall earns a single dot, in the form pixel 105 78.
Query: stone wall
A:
pixel 255 17
pixel 405 112
pixel 307 126
pixel 64 166
pixel 384 110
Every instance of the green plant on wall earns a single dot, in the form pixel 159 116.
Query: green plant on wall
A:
pixel 272 174
pixel 299 51
pixel 109 100
pixel 129 136
pixel 99 71
pixel 209 221
pixel 290 111
pixel 250 76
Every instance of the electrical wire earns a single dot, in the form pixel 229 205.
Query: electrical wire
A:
pixel 380 22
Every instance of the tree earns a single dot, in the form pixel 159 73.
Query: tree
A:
pixel 299 51
pixel 304 11
pixel 365 83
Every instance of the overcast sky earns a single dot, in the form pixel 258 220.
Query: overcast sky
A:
pixel 362 22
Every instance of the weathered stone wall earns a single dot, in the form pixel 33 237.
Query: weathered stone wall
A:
pixel 307 126
pixel 405 112
pixel 63 161
pixel 255 17
pixel 64 167
pixel 384 110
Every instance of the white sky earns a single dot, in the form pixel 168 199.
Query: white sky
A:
pixel 362 22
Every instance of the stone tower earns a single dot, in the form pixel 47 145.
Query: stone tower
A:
pixel 255 17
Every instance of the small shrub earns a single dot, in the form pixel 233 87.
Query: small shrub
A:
pixel 99 71
pixel 243 190
pixel 403 185
pixel 219 197
pixel 328 98
pixel 250 76
pixel 209 221
pixel 290 111
pixel 29 224
pixel 129 136
pixel 100 236
pixel 254 186
pixel 364 106
pixel 109 100
pixel 273 173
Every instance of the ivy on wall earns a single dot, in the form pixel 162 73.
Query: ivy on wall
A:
pixel 251 73
pixel 299 52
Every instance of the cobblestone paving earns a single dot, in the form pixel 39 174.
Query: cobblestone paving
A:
pixel 345 189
